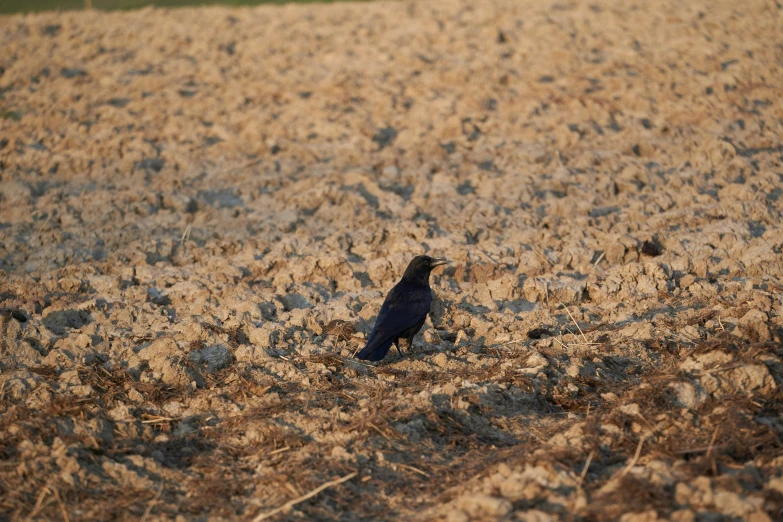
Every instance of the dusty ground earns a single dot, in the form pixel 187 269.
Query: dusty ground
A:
pixel 199 207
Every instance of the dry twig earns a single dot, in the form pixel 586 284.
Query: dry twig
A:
pixel 152 503
pixel 417 470
pixel 635 457
pixel 584 470
pixel 577 324
pixel 291 503
pixel 712 441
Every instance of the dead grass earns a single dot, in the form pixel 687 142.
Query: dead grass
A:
pixel 451 445
pixel 216 461
pixel 630 493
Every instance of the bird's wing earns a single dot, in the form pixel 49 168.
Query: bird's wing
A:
pixel 404 307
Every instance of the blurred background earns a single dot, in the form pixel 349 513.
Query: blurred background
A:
pixel 29 6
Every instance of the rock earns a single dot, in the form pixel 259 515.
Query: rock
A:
pixel 683 515
pixel 776 483
pixel 265 337
pixel 294 302
pixel 483 296
pixel 70 377
pixel 534 364
pixel 573 438
pixel 534 515
pixel 631 409
pixel 641 330
pixel 120 412
pixel 502 289
pixel 60 321
pixel 431 337
pixel 379 270
pixel 82 390
pixel 688 395
pixel 536 360
pixel 125 476
pixel 441 360
pixel 462 339
pixel 251 354
pixel 609 396
pixel 164 359
pixel 481 505
pixel 645 516
pixel 697 493
pixel 214 357
pixel 448 389
pixel 754 326
pixel 707 360
pixel 564 290
pixel 340 453
pixel 749 379
pixel 731 503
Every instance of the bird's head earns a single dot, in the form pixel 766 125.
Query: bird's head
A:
pixel 420 267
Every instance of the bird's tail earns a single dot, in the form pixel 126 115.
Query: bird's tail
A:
pixel 375 349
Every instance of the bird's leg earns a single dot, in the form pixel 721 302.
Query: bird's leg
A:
pixel 410 345
pixel 397 345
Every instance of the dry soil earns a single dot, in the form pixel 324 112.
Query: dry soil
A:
pixel 202 209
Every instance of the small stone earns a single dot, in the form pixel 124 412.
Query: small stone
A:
pixel 731 503
pixel 135 396
pixel 630 409
pixel 431 336
pixel 534 515
pixel 754 325
pixel 696 493
pixel 687 280
pixel 478 504
pixel 646 516
pixel 683 515
pixel 776 484
pixel 749 379
pixel 441 360
pixel 449 389
pixel 688 395
pixel 340 453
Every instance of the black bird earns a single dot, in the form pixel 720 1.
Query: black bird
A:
pixel 404 311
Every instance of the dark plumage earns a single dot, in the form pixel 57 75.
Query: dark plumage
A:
pixel 404 311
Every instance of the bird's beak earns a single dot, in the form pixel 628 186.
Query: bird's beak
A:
pixel 438 262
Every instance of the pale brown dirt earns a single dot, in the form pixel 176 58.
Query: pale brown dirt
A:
pixel 201 210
